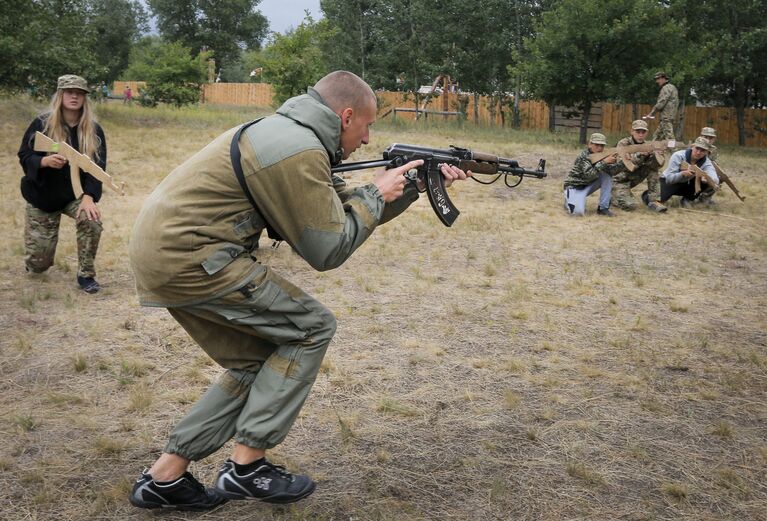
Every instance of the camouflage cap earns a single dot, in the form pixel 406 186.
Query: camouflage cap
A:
pixel 71 81
pixel 660 74
pixel 708 132
pixel 598 139
pixel 639 124
pixel 701 142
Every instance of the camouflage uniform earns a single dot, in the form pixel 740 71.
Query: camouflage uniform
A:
pixel 668 101
pixel 193 251
pixel 586 178
pixel 41 235
pixel 647 168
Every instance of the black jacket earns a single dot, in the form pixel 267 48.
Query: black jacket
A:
pixel 49 189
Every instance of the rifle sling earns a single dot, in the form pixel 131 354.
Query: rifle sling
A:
pixel 234 154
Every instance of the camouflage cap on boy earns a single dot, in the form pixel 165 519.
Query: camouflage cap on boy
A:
pixel 598 139
pixel 71 81
pixel 660 74
pixel 639 124
pixel 701 142
pixel 708 132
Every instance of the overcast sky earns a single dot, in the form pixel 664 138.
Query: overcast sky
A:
pixel 284 14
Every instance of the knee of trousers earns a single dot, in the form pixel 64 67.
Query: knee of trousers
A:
pixel 90 228
pixel 38 263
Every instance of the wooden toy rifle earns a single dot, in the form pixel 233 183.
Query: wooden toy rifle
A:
pixel 478 162
pixel 77 162
pixel 624 152
pixel 700 175
pixel 724 177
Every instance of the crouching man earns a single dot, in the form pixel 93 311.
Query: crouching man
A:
pixel 193 251
pixel 679 180
pixel 586 177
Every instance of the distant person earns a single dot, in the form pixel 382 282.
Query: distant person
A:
pixel 586 178
pixel 104 91
pixel 646 168
pixel 667 106
pixel 709 134
pixel 128 96
pixel 193 251
pixel 680 181
pixel 46 184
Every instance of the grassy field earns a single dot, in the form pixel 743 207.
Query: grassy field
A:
pixel 521 365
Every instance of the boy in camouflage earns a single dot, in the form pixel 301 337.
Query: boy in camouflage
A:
pixel 646 168
pixel 586 178
pixel 668 101
pixel 709 134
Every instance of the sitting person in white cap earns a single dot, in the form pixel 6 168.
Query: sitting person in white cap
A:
pixel 586 177
pixel 680 180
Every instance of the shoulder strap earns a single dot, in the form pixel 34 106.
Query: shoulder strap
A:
pixel 234 154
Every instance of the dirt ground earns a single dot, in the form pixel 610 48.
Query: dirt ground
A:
pixel 521 364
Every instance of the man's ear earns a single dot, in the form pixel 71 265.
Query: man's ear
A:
pixel 346 117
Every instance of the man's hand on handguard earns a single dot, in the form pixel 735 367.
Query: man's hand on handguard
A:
pixel 453 173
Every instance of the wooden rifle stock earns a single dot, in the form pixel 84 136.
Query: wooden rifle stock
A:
pixel 724 177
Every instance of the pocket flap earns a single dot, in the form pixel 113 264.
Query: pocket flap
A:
pixel 222 258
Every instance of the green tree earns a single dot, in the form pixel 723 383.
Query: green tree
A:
pixel 224 26
pixel 728 50
pixel 173 76
pixel 41 40
pixel 293 61
pixel 117 25
pixel 588 51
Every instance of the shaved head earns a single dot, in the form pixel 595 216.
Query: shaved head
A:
pixel 342 89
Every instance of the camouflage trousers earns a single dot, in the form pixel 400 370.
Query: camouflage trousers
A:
pixel 665 130
pixel 41 236
pixel 625 181
pixel 271 337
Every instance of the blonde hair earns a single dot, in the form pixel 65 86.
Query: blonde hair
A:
pixel 55 126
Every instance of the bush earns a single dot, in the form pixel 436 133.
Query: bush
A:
pixel 171 93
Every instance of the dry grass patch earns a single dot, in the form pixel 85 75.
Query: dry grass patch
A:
pixel 518 365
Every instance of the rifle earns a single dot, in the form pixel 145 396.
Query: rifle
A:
pixel 699 175
pixel 623 152
pixel 478 162
pixel 724 177
pixel 77 162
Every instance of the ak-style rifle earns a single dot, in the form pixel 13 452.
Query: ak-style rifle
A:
pixel 77 162
pixel 623 153
pixel 429 173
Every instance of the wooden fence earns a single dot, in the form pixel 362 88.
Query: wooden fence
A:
pixel 609 118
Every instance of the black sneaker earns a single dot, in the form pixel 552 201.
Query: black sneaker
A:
pixel 88 284
pixel 185 493
pixel 605 211
pixel 267 482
